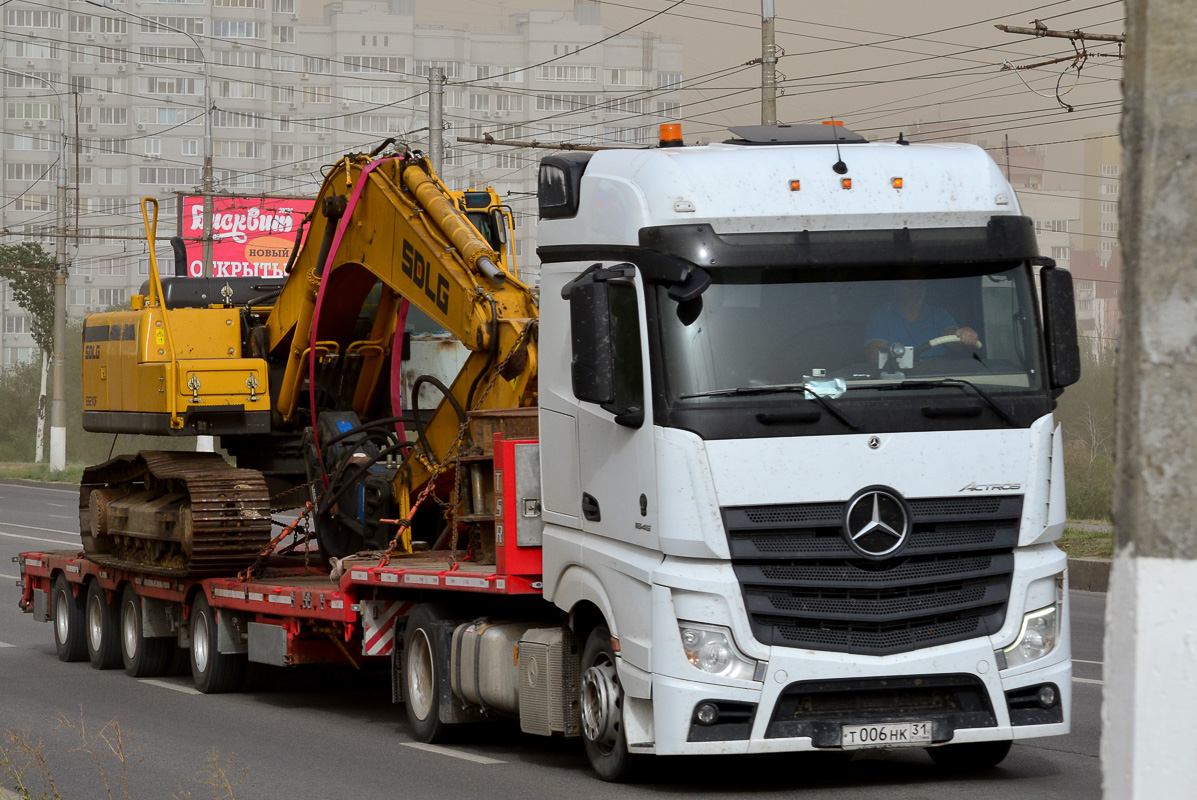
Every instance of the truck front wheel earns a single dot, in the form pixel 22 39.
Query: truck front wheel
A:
pixel 423 673
pixel 103 640
pixel 602 711
pixel 69 638
pixel 970 756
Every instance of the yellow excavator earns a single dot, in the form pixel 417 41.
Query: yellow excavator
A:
pixel 300 380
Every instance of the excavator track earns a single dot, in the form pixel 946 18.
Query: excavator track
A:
pixel 179 514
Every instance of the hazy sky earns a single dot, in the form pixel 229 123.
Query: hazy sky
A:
pixel 879 66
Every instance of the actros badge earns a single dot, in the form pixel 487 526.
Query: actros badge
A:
pixel 877 522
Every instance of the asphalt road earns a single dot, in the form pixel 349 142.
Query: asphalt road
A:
pixel 334 733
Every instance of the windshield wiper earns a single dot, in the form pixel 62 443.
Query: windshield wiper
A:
pixel 960 383
pixel 808 389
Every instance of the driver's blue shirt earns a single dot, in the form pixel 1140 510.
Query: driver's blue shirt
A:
pixel 890 326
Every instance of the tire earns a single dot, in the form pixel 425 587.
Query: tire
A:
pixel 212 672
pixel 970 756
pixel 424 670
pixel 602 711
pixel 103 633
pixel 142 657
pixel 70 639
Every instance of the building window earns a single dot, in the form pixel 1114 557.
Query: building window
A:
pixel 284 34
pixel 190 147
pixel 1109 170
pixel 16 323
pixel 1061 253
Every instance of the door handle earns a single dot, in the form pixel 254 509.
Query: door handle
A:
pixel 590 508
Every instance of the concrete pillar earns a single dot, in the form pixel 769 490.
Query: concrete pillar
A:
pixel 1149 740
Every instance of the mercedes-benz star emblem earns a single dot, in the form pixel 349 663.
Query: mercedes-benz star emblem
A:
pixel 877 522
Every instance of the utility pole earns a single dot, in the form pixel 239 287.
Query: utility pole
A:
pixel 768 64
pixel 1149 718
pixel 58 413
pixel 436 110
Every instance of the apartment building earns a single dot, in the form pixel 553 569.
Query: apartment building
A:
pixel 294 84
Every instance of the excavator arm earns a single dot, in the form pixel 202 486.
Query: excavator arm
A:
pixel 390 220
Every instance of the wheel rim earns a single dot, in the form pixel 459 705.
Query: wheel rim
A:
pixel 199 640
pixel 62 620
pixel 420 690
pixel 95 623
pixel 600 704
pixel 129 631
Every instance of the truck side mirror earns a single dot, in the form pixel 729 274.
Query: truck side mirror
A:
pixel 1059 322
pixel 606 366
pixel 592 369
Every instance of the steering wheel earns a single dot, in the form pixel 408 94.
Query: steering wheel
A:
pixel 950 338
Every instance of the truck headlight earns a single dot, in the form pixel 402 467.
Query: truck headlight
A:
pixel 1038 637
pixel 710 649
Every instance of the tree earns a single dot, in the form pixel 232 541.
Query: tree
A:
pixel 30 272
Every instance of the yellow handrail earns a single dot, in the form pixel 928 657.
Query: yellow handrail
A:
pixel 157 298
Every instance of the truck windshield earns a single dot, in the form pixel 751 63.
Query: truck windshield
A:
pixel 851 332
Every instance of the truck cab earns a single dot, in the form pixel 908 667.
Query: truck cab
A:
pixel 798 453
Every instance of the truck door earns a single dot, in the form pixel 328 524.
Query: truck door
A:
pixel 616 467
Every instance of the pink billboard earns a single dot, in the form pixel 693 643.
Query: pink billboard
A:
pixel 251 236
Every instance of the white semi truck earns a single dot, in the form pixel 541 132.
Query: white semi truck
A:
pixel 793 482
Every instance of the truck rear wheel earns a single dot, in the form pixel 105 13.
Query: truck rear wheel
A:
pixel 424 670
pixel 602 711
pixel 212 671
pixel 103 640
pixel 970 756
pixel 143 658
pixel 69 638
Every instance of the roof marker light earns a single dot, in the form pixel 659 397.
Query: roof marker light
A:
pixel 795 185
pixel 895 182
pixel 846 183
pixel 671 135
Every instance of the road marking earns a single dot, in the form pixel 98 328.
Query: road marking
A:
pixel 176 687
pixel 39 488
pixel 36 538
pixel 448 751
pixel 1088 680
pixel 37 528
pixel 10 577
pixel 1083 661
pixel 7 795
pixel 6 644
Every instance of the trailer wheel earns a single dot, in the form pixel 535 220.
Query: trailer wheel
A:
pixel 143 658
pixel 423 673
pixel 602 711
pixel 69 638
pixel 970 756
pixel 103 638
pixel 212 671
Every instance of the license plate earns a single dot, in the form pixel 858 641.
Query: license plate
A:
pixel 885 734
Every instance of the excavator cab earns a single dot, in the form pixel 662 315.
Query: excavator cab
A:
pixel 493 220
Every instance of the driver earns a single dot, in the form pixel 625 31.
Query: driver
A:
pixel 907 319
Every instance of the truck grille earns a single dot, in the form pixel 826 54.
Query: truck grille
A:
pixel 804 587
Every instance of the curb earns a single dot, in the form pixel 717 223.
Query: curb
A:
pixel 1089 574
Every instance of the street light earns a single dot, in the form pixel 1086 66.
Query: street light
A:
pixel 58 402
pixel 208 187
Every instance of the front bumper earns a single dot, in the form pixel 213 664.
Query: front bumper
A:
pixel 961 693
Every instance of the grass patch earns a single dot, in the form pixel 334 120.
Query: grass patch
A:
pixel 1079 543
pixel 41 472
